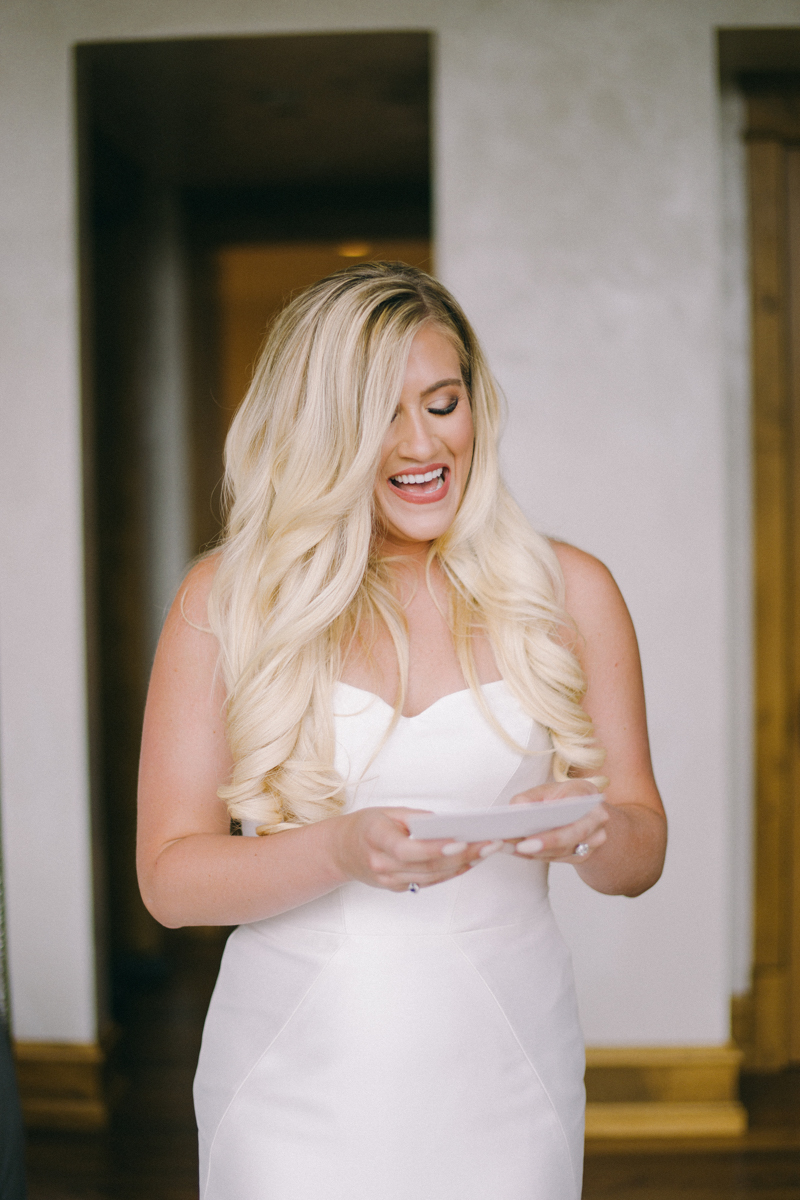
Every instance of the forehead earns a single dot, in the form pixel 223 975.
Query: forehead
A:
pixel 433 357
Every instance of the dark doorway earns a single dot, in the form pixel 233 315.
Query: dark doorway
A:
pixel 196 156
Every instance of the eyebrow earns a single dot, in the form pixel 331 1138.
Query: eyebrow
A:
pixel 442 383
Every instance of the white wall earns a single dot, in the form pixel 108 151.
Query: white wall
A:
pixel 579 218
pixel 602 314
pixel 42 703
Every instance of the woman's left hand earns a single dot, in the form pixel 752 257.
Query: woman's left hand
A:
pixel 561 844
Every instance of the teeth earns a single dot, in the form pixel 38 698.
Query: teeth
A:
pixel 426 478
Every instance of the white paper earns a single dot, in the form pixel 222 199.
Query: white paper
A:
pixel 509 821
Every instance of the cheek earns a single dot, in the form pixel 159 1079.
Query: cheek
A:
pixel 465 439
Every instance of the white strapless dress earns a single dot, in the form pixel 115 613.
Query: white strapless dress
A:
pixel 374 1045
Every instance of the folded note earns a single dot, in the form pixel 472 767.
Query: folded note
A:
pixel 509 821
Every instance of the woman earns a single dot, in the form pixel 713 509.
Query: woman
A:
pixel 381 631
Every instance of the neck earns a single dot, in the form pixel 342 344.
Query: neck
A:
pixel 409 580
pixel 412 554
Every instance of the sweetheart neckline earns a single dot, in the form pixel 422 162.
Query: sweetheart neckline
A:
pixel 413 717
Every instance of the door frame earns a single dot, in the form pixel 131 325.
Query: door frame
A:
pixel 773 152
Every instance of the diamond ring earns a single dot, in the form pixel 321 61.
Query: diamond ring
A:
pixel 581 850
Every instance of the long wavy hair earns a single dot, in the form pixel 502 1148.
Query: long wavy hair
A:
pixel 299 572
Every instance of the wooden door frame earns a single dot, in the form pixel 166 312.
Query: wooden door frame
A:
pixel 773 136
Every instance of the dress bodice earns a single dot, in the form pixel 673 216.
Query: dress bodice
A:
pixel 448 758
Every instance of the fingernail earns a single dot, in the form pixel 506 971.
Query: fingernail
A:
pixel 530 846
pixel 492 848
pixel 454 848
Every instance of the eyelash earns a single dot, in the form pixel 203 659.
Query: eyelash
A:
pixel 441 412
pixel 444 412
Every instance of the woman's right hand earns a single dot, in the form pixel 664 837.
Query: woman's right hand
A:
pixel 192 871
pixel 374 847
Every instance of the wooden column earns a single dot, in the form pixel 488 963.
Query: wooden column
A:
pixel 774 177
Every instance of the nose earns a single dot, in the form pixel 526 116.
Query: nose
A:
pixel 416 438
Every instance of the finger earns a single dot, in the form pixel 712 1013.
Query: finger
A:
pixel 557 791
pixel 582 831
pixel 565 836
pixel 561 848
pixel 534 847
pixel 529 846
pixel 400 882
pixel 390 836
pixel 584 850
pixel 401 815
pixel 407 848
pixel 403 859
pixel 435 853
pixel 435 870
pixel 392 839
pixel 561 842
pixel 562 839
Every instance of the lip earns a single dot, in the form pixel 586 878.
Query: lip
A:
pixel 432 497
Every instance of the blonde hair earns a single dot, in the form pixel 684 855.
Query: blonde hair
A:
pixel 298 571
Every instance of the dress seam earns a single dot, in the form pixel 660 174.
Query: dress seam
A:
pixel 525 1054
pixel 357 935
pixel 264 1052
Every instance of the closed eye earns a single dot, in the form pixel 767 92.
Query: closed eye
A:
pixel 443 412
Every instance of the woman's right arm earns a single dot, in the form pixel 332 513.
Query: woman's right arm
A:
pixel 191 871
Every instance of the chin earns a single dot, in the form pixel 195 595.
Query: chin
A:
pixel 422 533
pixel 416 527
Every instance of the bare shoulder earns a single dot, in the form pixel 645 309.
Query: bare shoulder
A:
pixel 191 600
pixel 593 599
pixel 187 641
pixel 578 566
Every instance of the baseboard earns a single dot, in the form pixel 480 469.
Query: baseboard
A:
pixel 663 1091
pixel 656 1119
pixel 62 1085
pixel 632 1091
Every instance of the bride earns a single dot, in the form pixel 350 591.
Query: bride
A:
pixel 381 632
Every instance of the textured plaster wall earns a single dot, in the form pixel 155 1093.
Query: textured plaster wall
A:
pixel 601 310
pixel 580 219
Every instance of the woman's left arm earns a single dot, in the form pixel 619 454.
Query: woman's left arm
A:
pixel 631 857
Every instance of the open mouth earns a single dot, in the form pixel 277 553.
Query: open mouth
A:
pixel 421 487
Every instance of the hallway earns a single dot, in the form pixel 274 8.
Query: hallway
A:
pixel 149 1152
